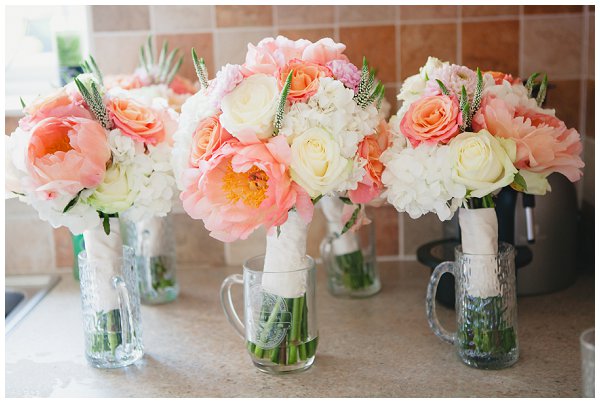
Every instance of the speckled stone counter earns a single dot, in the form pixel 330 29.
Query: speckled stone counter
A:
pixel 381 346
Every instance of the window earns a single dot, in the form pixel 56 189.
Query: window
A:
pixel 31 53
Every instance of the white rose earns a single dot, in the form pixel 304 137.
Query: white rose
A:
pixel 250 108
pixel 317 164
pixel 537 184
pixel 116 192
pixel 482 163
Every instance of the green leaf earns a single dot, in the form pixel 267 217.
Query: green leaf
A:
pixel 150 49
pixel 478 93
pixel 541 96
pixel 96 70
pixel 143 61
pixel 352 220
pixel 278 230
pixel 199 70
pixel 22 103
pixel 346 200
pixel 168 64
pixel 530 82
pixel 316 199
pixel 442 87
pixel 174 71
pixel 519 183
pixel 106 224
pixel 162 56
pixel 464 107
pixel 278 124
pixel 73 201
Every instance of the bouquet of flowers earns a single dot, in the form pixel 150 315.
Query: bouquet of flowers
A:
pixel 81 157
pixel 155 78
pixel 459 138
pixel 262 142
pixel 351 271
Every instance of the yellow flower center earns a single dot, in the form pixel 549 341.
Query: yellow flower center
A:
pixel 250 186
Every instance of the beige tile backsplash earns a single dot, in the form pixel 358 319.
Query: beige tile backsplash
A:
pixel 396 39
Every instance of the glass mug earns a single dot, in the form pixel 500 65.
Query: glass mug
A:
pixel 110 303
pixel 486 307
pixel 588 346
pixel 154 246
pixel 281 333
pixel 350 260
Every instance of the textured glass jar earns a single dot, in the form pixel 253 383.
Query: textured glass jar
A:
pixel 281 333
pixel 110 303
pixel 486 307
pixel 154 246
pixel 350 260
pixel 588 347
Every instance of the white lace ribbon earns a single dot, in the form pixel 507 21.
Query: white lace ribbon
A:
pixel 333 208
pixel 479 239
pixel 285 255
pixel 104 257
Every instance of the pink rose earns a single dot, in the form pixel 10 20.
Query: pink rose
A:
pixel 125 81
pixel 544 143
pixel 323 51
pixel 370 149
pixel 136 120
pixel 181 85
pixel 66 155
pixel 243 187
pixel 432 119
pixel 59 104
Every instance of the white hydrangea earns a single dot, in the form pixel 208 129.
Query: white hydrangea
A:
pixel 15 153
pixel 418 180
pixel 79 218
pixel 333 108
pixel 197 108
pixel 153 181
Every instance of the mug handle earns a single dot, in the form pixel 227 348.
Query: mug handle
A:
pixel 126 311
pixel 434 324
pixel 227 303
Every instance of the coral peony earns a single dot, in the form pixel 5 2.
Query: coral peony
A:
pixel 59 104
pixel 544 143
pixel 66 155
pixel 243 187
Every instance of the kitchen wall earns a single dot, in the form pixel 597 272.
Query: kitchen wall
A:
pixel 396 39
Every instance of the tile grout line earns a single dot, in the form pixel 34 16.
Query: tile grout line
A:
pixel 398 43
pixel 521 42
pixel 459 49
pixel 583 93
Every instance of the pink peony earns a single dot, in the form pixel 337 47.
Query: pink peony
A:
pixel 59 104
pixel 346 72
pixel 269 55
pixel 243 187
pixel 432 119
pixel 66 155
pixel 544 143
pixel 370 149
pixel 323 51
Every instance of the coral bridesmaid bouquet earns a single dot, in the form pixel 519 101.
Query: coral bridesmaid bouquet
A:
pixel 81 157
pixel 460 137
pixel 156 77
pixel 258 146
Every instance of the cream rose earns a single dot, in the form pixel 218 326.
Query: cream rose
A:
pixel 317 164
pixel 249 110
pixel 116 192
pixel 537 183
pixel 482 162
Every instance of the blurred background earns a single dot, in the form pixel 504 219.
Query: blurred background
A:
pixel 558 40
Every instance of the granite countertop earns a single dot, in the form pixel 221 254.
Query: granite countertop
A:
pixel 381 346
